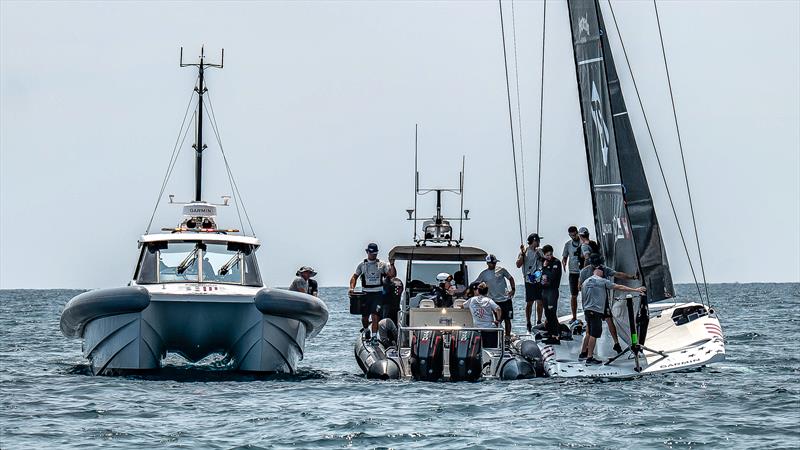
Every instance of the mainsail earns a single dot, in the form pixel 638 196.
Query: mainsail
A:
pixel 625 220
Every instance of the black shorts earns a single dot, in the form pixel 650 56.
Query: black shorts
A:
pixel 573 283
pixel 533 292
pixel 507 309
pixel 372 303
pixel 594 323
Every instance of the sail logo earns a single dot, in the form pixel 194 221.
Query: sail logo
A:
pixel 583 26
pixel 600 123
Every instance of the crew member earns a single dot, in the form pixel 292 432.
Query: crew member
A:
pixel 302 282
pixel 588 247
pixel 530 261
pixel 550 281
pixel 444 291
pixel 595 261
pixel 495 278
pixel 372 272
pixel 594 296
pixel 570 260
pixel 485 314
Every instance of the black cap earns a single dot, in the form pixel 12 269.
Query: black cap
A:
pixel 372 248
pixel 583 231
pixel 534 236
pixel 474 285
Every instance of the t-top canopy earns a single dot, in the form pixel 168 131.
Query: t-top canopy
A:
pixel 437 253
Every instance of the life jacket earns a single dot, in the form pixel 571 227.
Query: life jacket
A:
pixel 381 275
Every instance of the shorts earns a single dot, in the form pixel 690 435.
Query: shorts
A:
pixel 533 292
pixel 372 303
pixel 573 283
pixel 507 309
pixel 594 323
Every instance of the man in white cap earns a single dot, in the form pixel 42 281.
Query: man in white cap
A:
pixel 495 278
pixel 301 283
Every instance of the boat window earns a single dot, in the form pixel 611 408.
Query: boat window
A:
pixel 223 263
pixel 178 262
pixel 146 271
pixel 426 271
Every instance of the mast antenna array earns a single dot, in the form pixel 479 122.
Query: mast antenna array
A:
pixel 200 89
pixel 437 229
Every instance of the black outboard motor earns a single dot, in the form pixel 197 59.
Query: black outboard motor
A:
pixel 427 355
pixel 465 356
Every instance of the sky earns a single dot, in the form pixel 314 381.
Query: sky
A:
pixel 317 105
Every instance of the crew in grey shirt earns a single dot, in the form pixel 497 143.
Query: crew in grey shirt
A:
pixel 495 278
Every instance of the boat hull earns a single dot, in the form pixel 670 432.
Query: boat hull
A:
pixel 670 346
pixel 265 332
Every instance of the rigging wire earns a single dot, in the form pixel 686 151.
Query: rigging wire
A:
pixel 173 158
pixel 510 119
pixel 680 146
pixel 227 168
pixel 238 196
pixel 541 118
pixel 655 151
pixel 519 122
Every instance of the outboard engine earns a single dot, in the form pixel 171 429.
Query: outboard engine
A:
pixel 465 356
pixel 427 355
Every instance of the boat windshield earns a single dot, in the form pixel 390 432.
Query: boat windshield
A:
pixel 426 272
pixel 194 261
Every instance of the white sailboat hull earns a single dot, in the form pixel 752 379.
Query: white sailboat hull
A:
pixel 690 345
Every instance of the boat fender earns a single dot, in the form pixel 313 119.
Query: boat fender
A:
pixel 309 310
pixel 531 352
pixel 387 331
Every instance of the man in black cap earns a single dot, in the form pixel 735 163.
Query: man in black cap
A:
pixel 372 272
pixel 530 260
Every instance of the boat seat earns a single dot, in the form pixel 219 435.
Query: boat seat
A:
pixel 427 303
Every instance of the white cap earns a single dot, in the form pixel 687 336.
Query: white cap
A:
pixel 443 276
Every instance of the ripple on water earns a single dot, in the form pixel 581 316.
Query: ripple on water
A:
pixel 50 399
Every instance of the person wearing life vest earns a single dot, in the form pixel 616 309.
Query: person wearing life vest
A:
pixel 372 273
pixel 587 247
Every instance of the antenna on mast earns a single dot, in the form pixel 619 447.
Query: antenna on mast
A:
pixel 437 229
pixel 200 89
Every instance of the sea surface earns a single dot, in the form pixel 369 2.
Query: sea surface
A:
pixel 49 400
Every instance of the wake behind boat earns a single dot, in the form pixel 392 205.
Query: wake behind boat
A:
pixel 196 291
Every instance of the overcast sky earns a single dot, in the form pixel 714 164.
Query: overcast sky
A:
pixel 317 104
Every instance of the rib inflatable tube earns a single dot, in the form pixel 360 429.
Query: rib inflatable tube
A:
pixel 294 305
pixel 92 305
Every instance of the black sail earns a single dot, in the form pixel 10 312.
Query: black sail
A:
pixel 653 264
pixel 625 220
pixel 611 219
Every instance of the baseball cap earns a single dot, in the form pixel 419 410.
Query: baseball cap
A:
pixel 491 259
pixel 583 231
pixel 534 236
pixel 372 248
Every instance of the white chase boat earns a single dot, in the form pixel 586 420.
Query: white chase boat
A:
pixel 660 332
pixel 196 290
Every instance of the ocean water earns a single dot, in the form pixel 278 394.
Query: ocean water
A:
pixel 49 400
